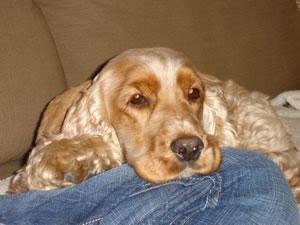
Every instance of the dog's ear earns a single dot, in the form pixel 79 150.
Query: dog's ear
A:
pixel 75 140
pixel 215 118
pixel 213 104
pixel 78 111
pixel 55 113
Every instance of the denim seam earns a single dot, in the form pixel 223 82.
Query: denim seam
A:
pixel 208 200
pixel 175 181
pixel 92 221
pixel 187 219
pixel 162 185
pixel 215 181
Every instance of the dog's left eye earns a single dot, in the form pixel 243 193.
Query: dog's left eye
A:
pixel 193 94
pixel 138 100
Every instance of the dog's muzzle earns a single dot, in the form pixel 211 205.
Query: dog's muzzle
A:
pixel 187 148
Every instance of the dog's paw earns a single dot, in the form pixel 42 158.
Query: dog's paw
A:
pixel 66 162
pixel 70 178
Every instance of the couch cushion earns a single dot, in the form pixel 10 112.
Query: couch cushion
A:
pixel 254 42
pixel 31 74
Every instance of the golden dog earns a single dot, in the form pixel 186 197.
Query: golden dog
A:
pixel 152 109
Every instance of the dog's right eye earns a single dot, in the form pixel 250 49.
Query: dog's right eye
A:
pixel 138 100
pixel 194 94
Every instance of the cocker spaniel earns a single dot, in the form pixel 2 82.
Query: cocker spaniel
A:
pixel 152 109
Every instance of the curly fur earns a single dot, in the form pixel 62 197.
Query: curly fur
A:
pixel 95 127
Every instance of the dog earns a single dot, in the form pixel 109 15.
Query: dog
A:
pixel 152 109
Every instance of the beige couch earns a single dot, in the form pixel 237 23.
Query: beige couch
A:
pixel 49 45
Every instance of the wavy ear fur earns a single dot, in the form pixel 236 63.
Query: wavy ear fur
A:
pixel 78 111
pixel 56 111
pixel 215 119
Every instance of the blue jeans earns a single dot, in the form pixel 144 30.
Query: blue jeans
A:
pixel 247 189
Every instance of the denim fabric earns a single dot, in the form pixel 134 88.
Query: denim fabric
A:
pixel 247 189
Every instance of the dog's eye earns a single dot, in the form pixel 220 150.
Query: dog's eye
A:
pixel 138 100
pixel 193 94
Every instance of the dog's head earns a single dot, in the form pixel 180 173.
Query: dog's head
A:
pixel 153 99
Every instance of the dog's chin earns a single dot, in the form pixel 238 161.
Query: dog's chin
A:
pixel 160 170
pixel 190 169
pixel 188 172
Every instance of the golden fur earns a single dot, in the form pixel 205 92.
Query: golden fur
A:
pixel 131 112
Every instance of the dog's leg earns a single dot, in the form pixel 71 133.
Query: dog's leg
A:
pixel 63 163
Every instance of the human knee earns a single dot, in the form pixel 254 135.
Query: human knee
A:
pixel 259 181
pixel 241 158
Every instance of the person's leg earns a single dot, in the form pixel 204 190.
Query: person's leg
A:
pixel 247 189
pixel 254 191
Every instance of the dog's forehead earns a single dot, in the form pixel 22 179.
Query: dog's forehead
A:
pixel 164 65
pixel 161 63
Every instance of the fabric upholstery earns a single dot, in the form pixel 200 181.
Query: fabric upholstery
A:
pixel 31 74
pixel 256 43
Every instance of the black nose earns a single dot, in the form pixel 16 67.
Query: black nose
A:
pixel 187 148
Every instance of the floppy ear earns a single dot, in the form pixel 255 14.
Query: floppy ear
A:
pixel 215 119
pixel 78 111
pixel 55 112
pixel 75 140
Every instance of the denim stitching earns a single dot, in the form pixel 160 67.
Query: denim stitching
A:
pixel 187 219
pixel 92 221
pixel 179 181
pixel 214 179
pixel 167 183
pixel 208 200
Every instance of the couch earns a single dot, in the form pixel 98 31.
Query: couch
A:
pixel 47 46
